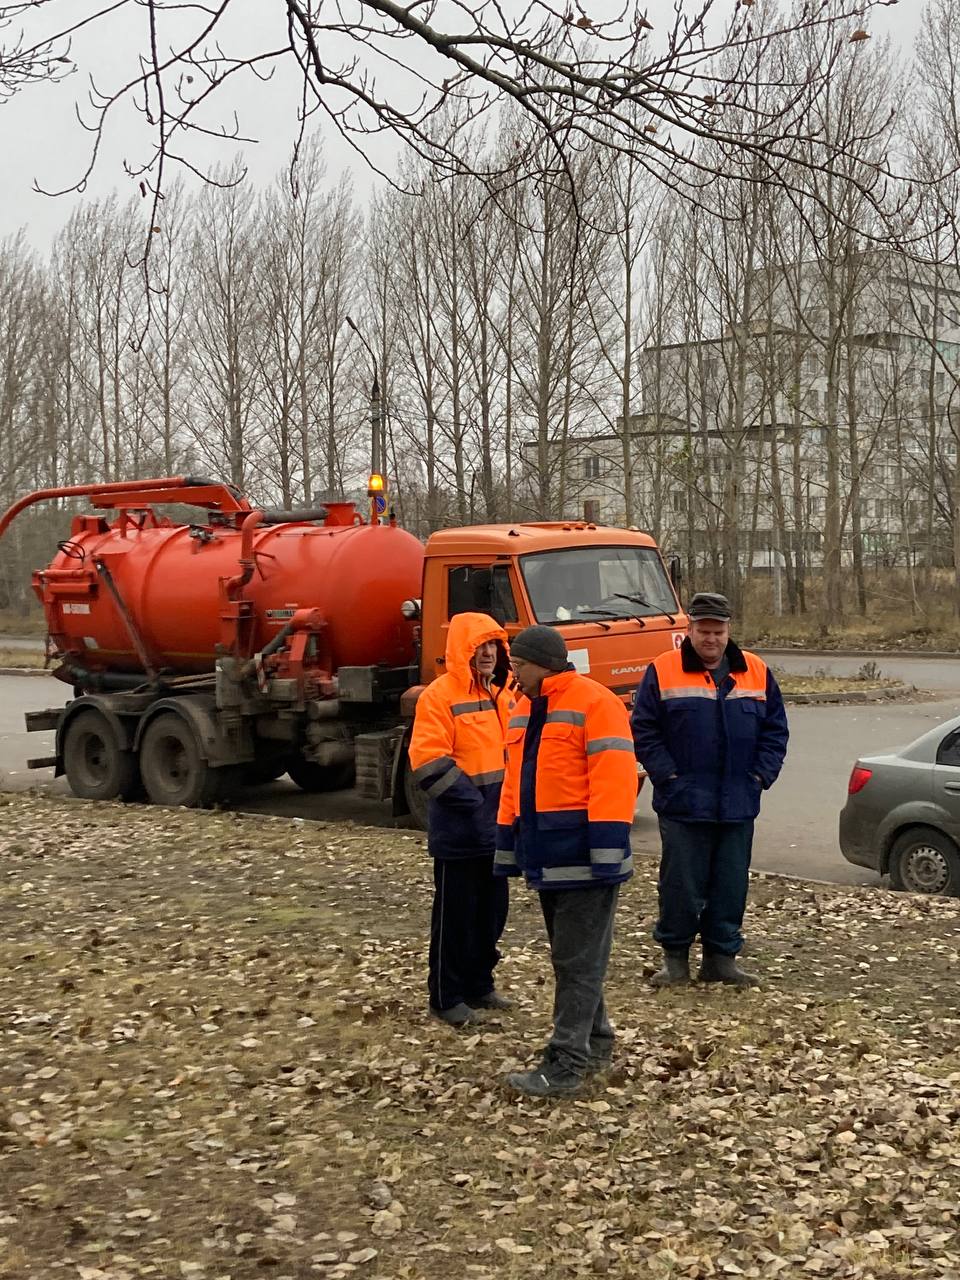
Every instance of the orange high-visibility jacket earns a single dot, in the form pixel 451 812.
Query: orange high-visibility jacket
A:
pixel 570 788
pixel 456 749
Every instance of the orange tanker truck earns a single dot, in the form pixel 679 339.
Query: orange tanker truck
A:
pixel 213 655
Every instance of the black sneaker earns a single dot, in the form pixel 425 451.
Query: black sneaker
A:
pixel 548 1080
pixel 492 1000
pixel 461 1015
pixel 598 1063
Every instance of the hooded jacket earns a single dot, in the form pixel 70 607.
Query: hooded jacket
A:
pixel 457 746
pixel 709 751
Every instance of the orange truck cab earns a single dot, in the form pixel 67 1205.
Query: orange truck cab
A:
pixel 606 590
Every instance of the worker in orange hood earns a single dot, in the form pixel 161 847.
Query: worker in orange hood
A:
pixel 457 755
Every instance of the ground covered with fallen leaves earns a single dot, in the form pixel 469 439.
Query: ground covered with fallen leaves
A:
pixel 216 1062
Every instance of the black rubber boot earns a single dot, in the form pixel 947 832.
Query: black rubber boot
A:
pixel 717 968
pixel 675 971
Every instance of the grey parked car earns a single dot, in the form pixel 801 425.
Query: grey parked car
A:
pixel 902 814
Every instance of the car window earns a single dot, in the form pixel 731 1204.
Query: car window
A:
pixel 948 751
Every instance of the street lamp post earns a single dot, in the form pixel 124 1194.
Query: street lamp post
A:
pixel 375 405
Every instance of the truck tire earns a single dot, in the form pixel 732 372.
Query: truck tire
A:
pixel 416 799
pixel 315 778
pixel 96 765
pixel 173 770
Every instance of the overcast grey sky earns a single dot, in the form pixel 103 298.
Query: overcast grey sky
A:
pixel 41 139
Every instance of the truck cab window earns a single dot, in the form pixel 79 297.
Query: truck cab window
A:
pixel 576 583
pixel 481 589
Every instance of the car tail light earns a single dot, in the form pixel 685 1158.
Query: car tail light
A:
pixel 859 777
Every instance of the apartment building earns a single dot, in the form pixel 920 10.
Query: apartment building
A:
pixel 852 372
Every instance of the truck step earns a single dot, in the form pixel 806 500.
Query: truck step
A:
pixel 42 762
pixel 40 720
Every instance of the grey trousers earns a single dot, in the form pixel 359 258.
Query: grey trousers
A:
pixel 580 928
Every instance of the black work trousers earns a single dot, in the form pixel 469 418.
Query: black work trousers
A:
pixel 704 877
pixel 469 914
pixel 580 928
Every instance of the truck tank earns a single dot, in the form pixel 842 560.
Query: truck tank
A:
pixel 169 578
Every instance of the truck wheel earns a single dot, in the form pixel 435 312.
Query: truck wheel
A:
pixel 96 765
pixel 416 799
pixel 313 777
pixel 173 770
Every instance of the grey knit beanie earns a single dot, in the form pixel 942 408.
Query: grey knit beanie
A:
pixel 541 645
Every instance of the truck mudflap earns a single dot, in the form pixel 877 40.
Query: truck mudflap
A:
pixel 375 758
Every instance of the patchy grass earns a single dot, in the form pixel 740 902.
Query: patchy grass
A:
pixel 819 683
pixel 30 659
pixel 14 623
pixel 216 1062
pixel 883 629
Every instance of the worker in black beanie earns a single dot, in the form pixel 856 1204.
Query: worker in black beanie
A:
pixel 543 646
pixel 564 824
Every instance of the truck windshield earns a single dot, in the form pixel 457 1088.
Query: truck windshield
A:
pixel 581 583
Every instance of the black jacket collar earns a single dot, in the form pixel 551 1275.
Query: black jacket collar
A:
pixel 691 660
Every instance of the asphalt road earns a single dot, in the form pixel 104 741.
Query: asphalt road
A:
pixel 796 832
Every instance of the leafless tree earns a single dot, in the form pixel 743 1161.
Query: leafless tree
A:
pixel 576 79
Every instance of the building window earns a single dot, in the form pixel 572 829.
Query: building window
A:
pixel 678 500
pixel 591 466
pixel 591 510
pixel 924 313
pixel 940 382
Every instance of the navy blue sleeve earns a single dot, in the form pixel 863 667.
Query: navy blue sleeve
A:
pixel 648 738
pixel 772 743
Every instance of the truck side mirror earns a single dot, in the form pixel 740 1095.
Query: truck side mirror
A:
pixel 675 570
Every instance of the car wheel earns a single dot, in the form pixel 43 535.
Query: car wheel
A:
pixel 925 861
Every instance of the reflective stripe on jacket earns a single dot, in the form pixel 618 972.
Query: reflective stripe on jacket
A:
pixel 570 788
pixel 456 748
pixel 709 752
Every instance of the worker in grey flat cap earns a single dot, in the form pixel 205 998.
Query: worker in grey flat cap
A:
pixel 710 729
